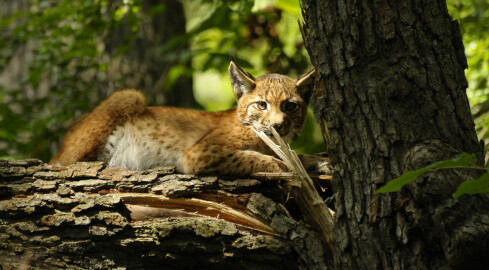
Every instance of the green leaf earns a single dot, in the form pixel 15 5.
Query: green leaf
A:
pixel 480 185
pixel 290 6
pixel 396 184
pixel 399 182
pixel 463 160
pixel 174 74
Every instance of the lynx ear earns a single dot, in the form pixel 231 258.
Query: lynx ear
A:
pixel 304 84
pixel 241 80
pixel 306 79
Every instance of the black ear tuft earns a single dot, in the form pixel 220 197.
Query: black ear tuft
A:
pixel 241 80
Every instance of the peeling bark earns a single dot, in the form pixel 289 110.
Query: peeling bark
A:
pixel 394 100
pixel 87 216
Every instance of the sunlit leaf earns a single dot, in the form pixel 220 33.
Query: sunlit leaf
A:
pixel 289 6
pixel 480 185
pixel 174 74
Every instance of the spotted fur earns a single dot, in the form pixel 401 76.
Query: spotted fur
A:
pixel 124 132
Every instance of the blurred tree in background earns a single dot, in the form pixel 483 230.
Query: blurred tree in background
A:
pixel 58 59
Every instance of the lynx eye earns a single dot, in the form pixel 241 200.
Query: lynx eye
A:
pixel 290 107
pixel 261 105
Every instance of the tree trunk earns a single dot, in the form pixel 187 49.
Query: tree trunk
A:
pixel 394 100
pixel 143 66
pixel 87 216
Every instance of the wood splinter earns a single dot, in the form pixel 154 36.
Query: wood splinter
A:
pixel 302 187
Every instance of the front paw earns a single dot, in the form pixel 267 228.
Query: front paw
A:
pixel 279 166
pixel 271 164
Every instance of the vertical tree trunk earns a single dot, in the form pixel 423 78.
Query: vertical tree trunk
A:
pixel 143 66
pixel 394 100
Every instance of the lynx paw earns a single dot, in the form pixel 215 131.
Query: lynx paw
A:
pixel 279 166
pixel 271 164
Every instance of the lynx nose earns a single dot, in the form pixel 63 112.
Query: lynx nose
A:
pixel 277 127
pixel 281 129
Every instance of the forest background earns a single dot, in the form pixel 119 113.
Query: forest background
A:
pixel 58 59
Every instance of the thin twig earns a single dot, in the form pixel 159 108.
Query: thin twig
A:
pixel 273 175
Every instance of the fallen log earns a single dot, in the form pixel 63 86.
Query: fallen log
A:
pixel 88 216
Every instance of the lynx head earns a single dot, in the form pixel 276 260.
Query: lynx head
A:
pixel 272 100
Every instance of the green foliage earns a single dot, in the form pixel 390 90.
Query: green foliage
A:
pixel 480 185
pixel 464 161
pixel 473 16
pixel 261 40
pixel 64 38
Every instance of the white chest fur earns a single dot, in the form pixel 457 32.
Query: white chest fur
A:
pixel 134 149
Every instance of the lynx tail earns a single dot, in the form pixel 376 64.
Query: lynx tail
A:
pixel 89 133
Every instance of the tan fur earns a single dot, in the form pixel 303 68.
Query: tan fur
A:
pixel 124 132
pixel 89 133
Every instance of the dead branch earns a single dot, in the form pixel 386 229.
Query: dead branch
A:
pixel 312 205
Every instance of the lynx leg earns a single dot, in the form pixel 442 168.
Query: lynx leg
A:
pixel 237 163
pixel 89 133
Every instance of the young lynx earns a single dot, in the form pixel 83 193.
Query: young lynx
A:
pixel 124 132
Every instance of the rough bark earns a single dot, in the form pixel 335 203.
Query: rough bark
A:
pixel 394 100
pixel 87 216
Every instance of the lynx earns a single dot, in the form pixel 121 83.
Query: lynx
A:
pixel 124 132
